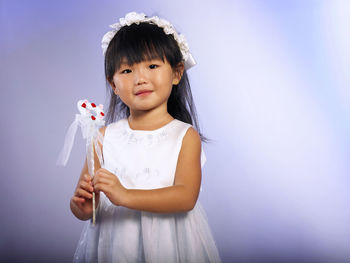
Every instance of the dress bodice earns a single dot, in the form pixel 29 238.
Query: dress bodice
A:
pixel 144 159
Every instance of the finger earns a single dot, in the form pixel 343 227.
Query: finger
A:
pixel 100 187
pixel 82 193
pixel 101 170
pixel 77 199
pixel 97 188
pixel 100 177
pixel 100 180
pixel 87 177
pixel 103 173
pixel 86 186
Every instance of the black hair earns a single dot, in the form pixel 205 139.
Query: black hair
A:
pixel 145 41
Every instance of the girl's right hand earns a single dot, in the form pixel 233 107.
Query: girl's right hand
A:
pixel 83 196
pixel 81 202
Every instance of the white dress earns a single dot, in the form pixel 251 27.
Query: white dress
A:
pixel 145 160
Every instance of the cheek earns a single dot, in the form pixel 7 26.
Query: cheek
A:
pixel 165 79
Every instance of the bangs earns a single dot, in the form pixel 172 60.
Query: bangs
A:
pixel 137 43
pixel 137 52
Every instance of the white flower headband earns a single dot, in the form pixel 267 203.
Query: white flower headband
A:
pixel 137 18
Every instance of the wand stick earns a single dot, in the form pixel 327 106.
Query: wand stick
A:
pixel 91 168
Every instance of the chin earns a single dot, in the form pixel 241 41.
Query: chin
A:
pixel 143 108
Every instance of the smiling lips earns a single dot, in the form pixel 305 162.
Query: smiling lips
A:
pixel 143 92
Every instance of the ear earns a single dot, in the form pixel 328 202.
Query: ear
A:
pixel 113 87
pixel 178 72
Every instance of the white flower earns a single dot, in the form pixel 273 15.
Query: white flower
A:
pixel 169 30
pixel 107 39
pixel 163 23
pixel 155 20
pixel 116 26
pixel 183 43
pixel 132 18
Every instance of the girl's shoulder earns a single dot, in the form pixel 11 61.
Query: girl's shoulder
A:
pixel 191 138
pixel 117 125
pixel 189 130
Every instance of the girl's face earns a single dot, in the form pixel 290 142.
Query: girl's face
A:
pixel 146 85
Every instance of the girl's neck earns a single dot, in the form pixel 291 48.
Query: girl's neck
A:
pixel 149 120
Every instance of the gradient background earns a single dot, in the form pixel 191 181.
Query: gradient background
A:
pixel 272 91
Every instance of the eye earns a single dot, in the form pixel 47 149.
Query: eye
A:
pixel 153 66
pixel 125 71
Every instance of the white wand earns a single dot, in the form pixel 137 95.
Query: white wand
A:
pixel 90 119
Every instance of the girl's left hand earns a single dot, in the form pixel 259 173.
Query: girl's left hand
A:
pixel 109 183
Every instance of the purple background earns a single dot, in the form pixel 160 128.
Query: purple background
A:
pixel 272 91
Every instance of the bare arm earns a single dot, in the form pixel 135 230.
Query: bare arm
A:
pixel 180 197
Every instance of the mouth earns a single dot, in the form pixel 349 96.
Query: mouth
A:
pixel 143 92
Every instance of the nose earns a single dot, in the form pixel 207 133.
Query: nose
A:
pixel 140 76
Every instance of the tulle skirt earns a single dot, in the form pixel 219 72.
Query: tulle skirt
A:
pixel 126 235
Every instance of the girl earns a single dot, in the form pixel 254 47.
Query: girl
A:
pixel 148 185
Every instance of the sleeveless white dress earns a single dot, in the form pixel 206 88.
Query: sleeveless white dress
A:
pixel 145 160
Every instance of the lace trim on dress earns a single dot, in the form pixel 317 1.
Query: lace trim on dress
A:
pixel 144 138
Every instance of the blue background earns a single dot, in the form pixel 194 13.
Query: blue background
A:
pixel 272 90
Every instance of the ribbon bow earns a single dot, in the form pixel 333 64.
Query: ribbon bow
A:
pixel 90 119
